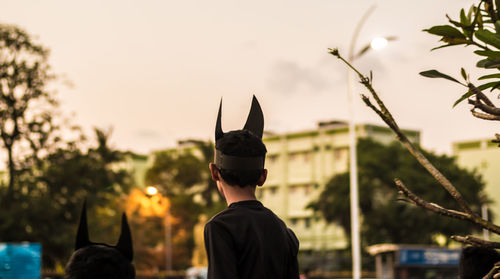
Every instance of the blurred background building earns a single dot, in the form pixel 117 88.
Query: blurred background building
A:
pixel 300 164
pixel 483 156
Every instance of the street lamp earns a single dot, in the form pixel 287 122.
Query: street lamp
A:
pixel 150 192
pixel 377 43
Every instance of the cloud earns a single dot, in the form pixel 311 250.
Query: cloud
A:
pixel 287 77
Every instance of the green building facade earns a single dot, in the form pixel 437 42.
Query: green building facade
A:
pixel 300 164
pixel 483 156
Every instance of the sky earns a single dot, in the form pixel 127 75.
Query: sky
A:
pixel 154 71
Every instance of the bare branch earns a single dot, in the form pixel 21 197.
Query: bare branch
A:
pixel 386 116
pixel 475 241
pixel 486 108
pixel 480 95
pixel 485 116
pixel 403 190
pixel 493 272
pixel 473 218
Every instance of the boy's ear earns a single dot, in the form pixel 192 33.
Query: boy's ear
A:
pixel 262 178
pixel 214 172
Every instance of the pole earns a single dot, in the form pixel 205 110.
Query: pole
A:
pixel 168 241
pixel 353 170
pixel 484 213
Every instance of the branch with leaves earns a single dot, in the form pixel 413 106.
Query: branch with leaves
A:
pixel 466 213
pixel 478 27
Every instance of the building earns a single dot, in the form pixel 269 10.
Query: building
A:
pixel 483 156
pixel 299 165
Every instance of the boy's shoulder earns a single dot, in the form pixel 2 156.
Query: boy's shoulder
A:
pixel 243 212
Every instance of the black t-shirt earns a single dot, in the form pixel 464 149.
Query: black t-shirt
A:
pixel 247 240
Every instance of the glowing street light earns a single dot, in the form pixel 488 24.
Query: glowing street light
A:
pixel 151 190
pixel 379 43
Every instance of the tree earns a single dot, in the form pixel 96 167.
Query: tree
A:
pixel 474 28
pixel 48 201
pixel 183 176
pixel 48 176
pixel 384 218
pixel 25 120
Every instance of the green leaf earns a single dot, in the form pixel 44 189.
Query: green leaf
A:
pixel 488 63
pixel 495 87
pixel 471 12
pixel 443 46
pixel 436 74
pixel 489 76
pixel 488 37
pixel 455 41
pixel 463 18
pixel 464 74
pixel 487 85
pixel 456 23
pixel 463 97
pixel 445 31
pixel 489 53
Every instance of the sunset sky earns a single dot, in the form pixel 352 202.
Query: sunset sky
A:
pixel 155 70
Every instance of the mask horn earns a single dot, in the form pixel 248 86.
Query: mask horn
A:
pixel 255 120
pixel 125 242
pixel 82 235
pixel 218 126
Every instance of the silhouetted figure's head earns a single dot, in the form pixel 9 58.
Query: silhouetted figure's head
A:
pixel 475 262
pixel 98 260
pixel 240 154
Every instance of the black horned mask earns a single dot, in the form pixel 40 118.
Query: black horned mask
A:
pixel 255 125
pixel 124 245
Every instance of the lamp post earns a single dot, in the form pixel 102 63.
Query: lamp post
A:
pixel 152 191
pixel 376 43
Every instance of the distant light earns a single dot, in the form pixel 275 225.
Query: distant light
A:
pixel 378 43
pixel 151 190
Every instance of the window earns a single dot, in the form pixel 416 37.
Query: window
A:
pixel 307 222
pixel 339 153
pixel 308 189
pixel 272 158
pixel 274 190
pixel 307 157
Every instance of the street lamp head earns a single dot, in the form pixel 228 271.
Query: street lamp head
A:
pixel 378 43
pixel 151 190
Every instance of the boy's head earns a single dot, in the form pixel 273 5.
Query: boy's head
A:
pixel 240 154
pixel 243 145
pixel 99 260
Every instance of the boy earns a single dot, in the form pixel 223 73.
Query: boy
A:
pixel 246 240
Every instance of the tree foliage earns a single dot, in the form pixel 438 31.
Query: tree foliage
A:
pixel 48 177
pixel 47 206
pixel 183 176
pixel 478 27
pixel 385 217
pixel 25 103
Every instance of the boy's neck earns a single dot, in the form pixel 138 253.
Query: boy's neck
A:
pixel 236 193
